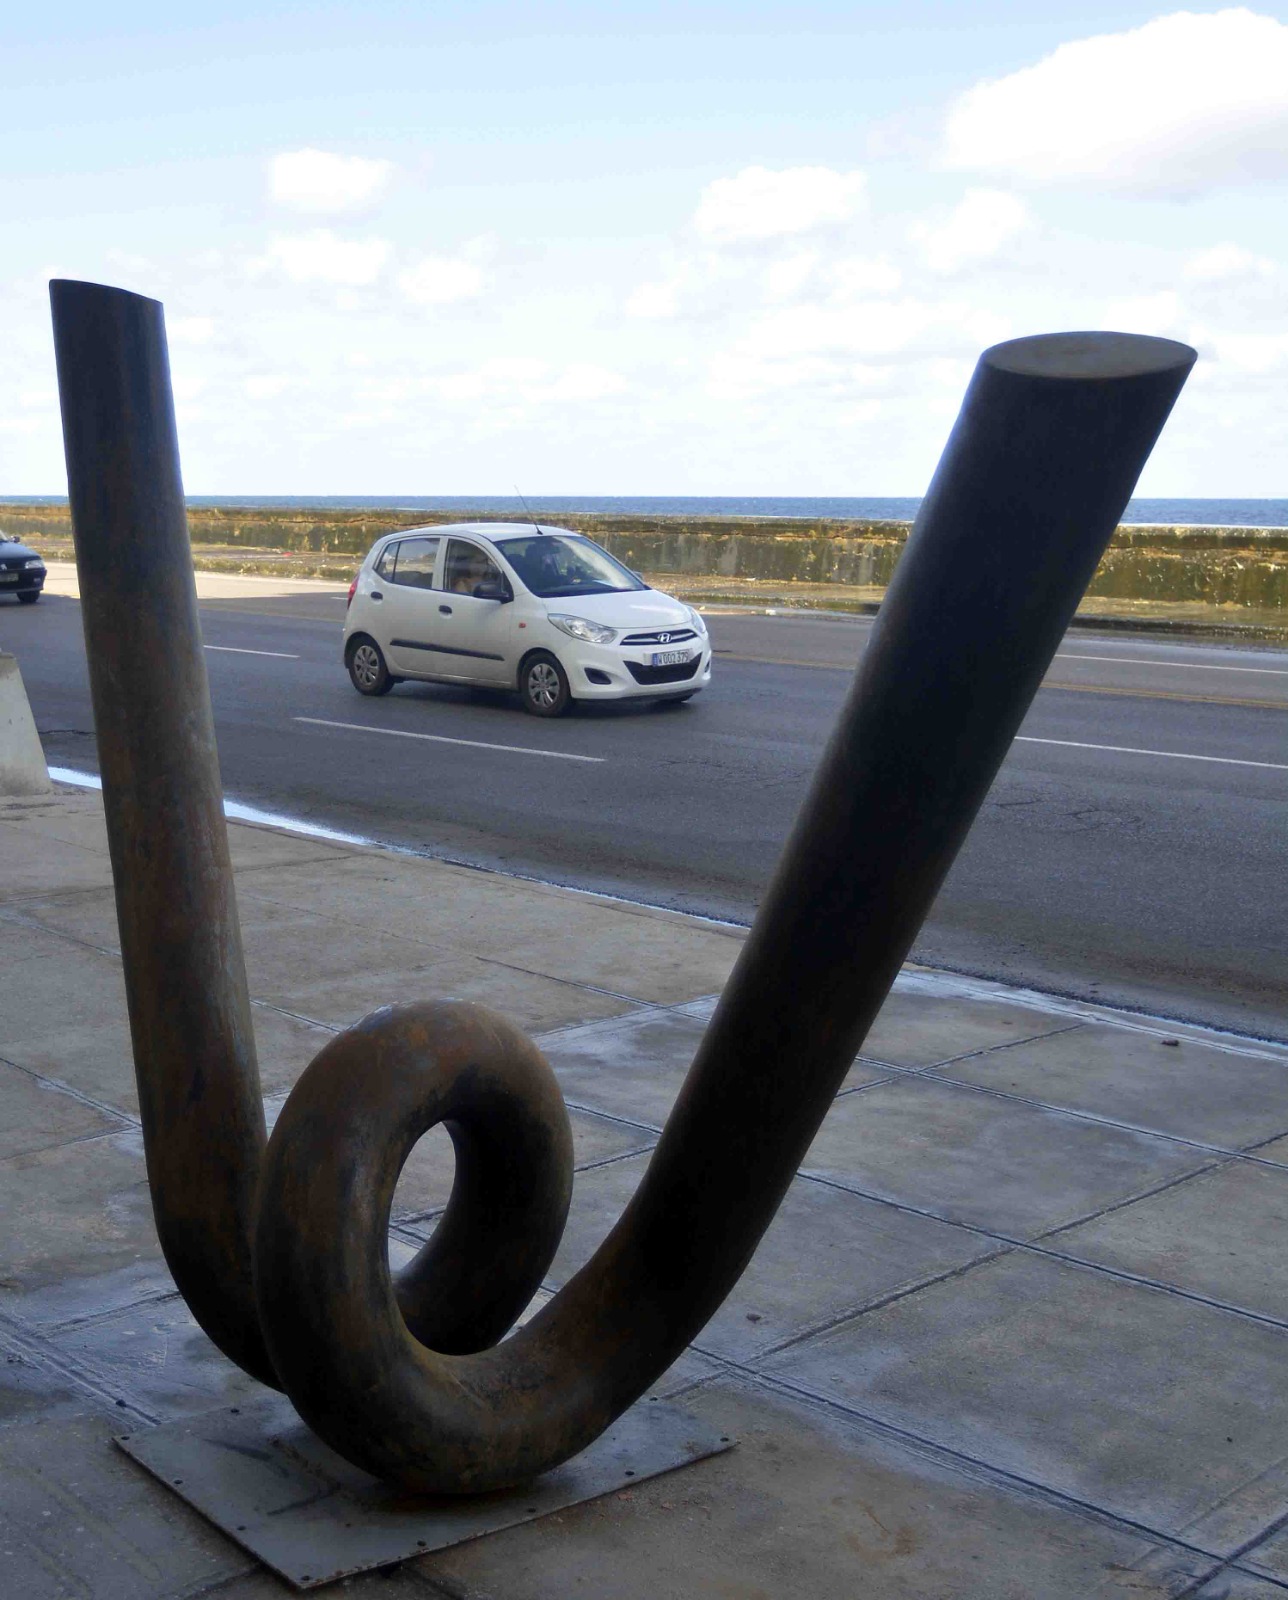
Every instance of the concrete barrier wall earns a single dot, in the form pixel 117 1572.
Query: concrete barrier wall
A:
pixel 22 761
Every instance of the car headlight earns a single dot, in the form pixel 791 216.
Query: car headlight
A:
pixel 27 565
pixel 695 617
pixel 580 628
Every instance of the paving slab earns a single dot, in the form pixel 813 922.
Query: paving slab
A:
pixel 1232 1584
pixel 32 1390
pixel 1270 1557
pixel 1220 1233
pixel 825 1254
pixel 463 912
pixel 1219 1095
pixel 984 1161
pixel 35 1115
pixel 77 1519
pixel 923 1030
pixel 75 1211
pixel 814 1504
pixel 633 1067
pixel 1149 1406
pixel 155 1355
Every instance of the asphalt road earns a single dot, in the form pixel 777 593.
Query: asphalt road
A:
pixel 1132 850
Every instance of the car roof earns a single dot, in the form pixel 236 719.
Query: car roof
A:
pixel 484 530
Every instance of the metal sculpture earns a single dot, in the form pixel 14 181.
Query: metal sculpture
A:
pixel 281 1252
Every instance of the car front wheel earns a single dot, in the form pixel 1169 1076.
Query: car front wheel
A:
pixel 543 686
pixel 367 668
pixel 30 599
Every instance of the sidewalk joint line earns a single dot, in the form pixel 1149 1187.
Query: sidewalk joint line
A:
pixel 997 1474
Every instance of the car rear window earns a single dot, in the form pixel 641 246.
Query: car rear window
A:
pixel 416 558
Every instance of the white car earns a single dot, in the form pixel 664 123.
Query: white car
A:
pixel 520 606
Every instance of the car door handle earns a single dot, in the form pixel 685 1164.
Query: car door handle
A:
pixel 446 610
pixel 376 594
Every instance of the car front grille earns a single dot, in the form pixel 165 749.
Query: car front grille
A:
pixel 674 674
pixel 660 636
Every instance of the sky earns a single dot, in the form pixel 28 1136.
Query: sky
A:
pixel 706 248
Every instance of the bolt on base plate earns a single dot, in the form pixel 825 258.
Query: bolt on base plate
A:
pixel 262 1478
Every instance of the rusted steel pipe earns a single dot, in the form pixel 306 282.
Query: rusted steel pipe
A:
pixel 194 1050
pixel 1051 439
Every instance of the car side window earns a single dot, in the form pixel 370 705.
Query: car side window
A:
pixel 416 558
pixel 385 566
pixel 467 566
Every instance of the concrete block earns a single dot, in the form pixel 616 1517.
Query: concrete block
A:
pixel 1218 1234
pixel 1133 1400
pixel 22 760
pixel 815 1504
pixel 987 1162
pixel 1187 1088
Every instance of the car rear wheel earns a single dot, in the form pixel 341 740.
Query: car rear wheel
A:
pixel 367 668
pixel 543 686
pixel 29 599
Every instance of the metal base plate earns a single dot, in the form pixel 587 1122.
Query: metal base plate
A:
pixel 261 1477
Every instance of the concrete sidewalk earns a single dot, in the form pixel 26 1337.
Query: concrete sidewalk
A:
pixel 1019 1330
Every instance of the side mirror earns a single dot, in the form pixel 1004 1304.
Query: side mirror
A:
pixel 493 591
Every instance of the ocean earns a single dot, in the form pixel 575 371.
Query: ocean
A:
pixel 1192 512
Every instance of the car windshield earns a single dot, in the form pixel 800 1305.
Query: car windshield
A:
pixel 551 566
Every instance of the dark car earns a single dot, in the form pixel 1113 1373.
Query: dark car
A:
pixel 22 572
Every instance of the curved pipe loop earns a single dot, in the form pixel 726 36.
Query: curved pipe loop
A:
pixel 282 1254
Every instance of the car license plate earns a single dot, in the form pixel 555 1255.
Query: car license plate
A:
pixel 671 658
pixel 8 577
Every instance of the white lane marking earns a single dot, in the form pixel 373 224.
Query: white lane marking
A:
pixel 236 650
pixel 1175 755
pixel 1150 661
pixel 442 738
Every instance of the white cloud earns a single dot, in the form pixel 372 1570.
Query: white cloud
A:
pixel 983 221
pixel 761 204
pixel 1224 263
pixel 585 381
pixel 654 302
pixel 1185 103
pixel 1161 314
pixel 871 328
pixel 266 386
pixel 439 280
pixel 856 276
pixel 324 257
pixel 788 277
pixel 190 330
pixel 322 184
pixel 1253 354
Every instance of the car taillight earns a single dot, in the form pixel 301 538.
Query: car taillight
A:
pixel 352 587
